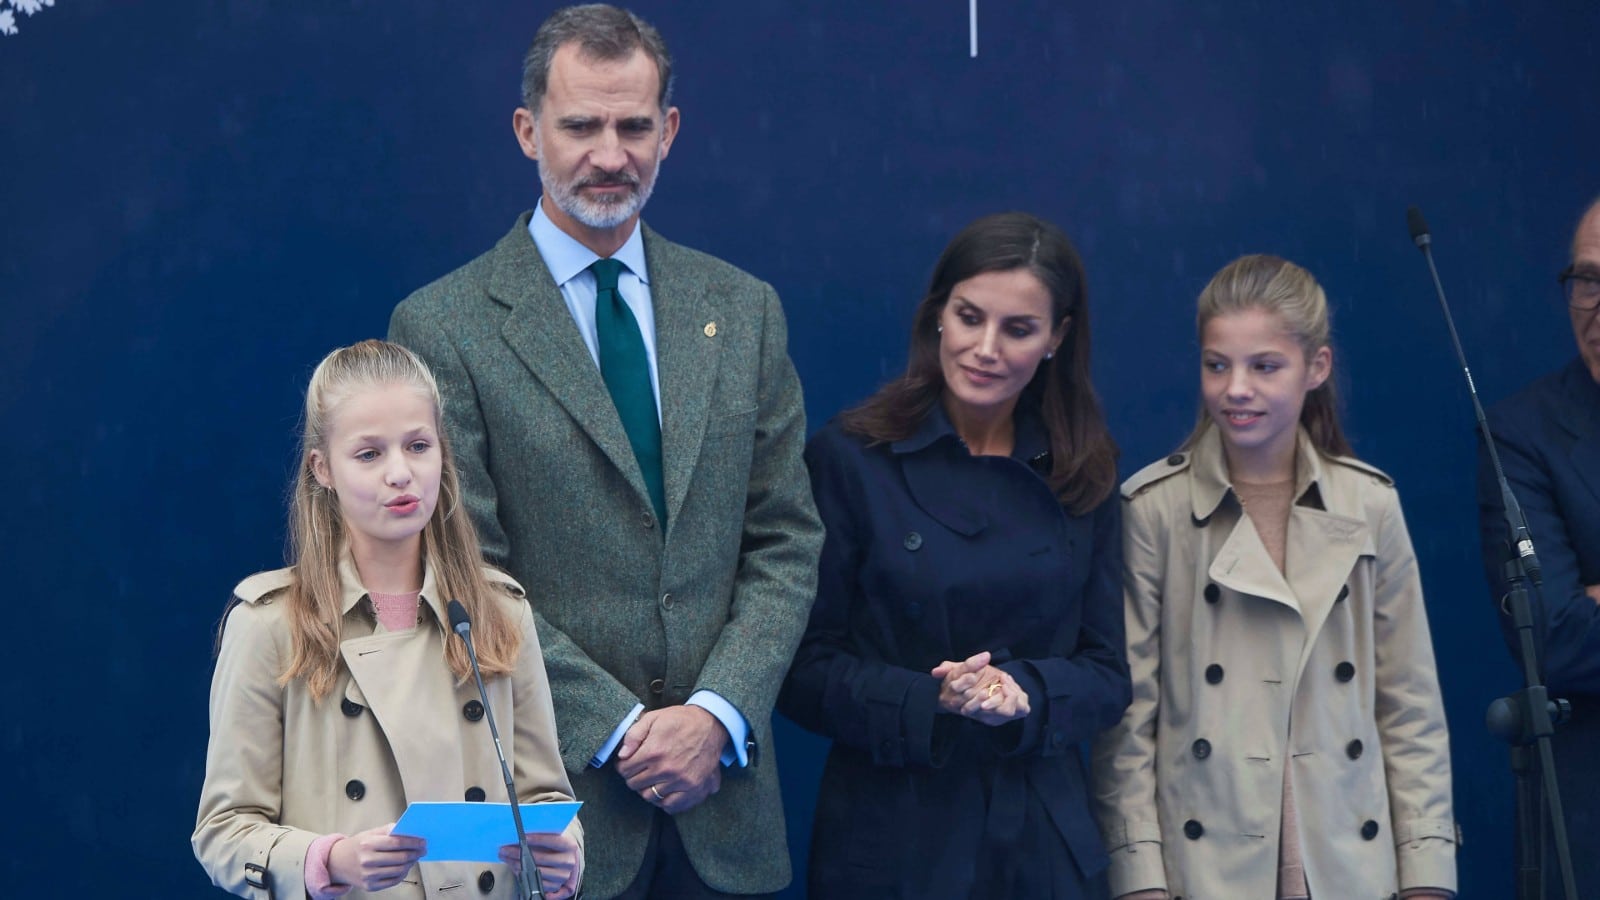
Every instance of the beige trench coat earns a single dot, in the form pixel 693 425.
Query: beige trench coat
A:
pixel 282 770
pixel 1238 672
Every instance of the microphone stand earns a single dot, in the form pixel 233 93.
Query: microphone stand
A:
pixel 1527 718
pixel 530 885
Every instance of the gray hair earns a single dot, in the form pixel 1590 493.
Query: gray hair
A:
pixel 602 32
pixel 1592 209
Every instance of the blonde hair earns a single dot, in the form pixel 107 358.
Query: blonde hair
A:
pixel 317 531
pixel 1275 285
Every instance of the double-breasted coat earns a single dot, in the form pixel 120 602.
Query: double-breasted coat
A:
pixel 933 554
pixel 1240 671
pixel 283 769
pixel 628 614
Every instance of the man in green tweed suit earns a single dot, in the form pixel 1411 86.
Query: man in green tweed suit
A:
pixel 628 427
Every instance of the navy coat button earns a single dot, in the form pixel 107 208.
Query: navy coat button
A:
pixel 1175 459
pixel 486 881
pixel 913 541
pixel 1213 674
pixel 657 685
pixel 1192 830
pixel 914 609
pixel 350 708
pixel 1056 738
pixel 1344 593
pixel 354 789
pixel 1353 749
pixel 473 710
pixel 1213 593
pixel 475 795
pixel 1369 830
pixel 1344 671
pixel 1201 748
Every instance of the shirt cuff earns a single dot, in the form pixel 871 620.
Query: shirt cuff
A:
pixel 731 719
pixel 610 746
pixel 319 881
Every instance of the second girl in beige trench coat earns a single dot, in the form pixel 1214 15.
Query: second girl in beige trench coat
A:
pixel 1225 654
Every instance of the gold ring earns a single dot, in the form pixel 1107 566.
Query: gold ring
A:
pixel 656 792
pixel 993 686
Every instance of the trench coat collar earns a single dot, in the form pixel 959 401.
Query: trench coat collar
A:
pixel 1210 482
pixel 352 591
pixel 1031 441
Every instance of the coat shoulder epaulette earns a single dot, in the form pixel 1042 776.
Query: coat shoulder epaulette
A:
pixel 1350 462
pixel 497 577
pixel 263 587
pixel 1155 472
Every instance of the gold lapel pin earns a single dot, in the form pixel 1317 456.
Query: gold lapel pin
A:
pixel 711 329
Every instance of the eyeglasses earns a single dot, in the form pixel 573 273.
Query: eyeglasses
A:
pixel 1583 288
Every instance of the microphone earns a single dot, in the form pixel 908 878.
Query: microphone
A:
pixel 532 884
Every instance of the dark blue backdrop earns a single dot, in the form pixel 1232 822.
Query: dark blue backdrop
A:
pixel 198 199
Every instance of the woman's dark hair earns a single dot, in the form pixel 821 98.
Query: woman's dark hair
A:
pixel 1083 468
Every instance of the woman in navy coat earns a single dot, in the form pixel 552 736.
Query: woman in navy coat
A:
pixel 967 634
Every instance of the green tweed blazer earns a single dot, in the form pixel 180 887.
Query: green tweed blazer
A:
pixel 625 614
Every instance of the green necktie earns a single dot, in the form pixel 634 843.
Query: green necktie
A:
pixel 626 370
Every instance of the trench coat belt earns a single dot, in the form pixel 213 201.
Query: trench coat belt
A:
pixel 1008 800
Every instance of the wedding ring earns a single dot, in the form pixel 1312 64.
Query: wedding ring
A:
pixel 993 686
pixel 656 792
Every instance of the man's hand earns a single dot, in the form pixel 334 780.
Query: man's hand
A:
pixel 672 757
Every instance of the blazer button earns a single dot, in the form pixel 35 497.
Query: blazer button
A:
pixel 354 789
pixel 350 708
pixel 666 601
pixel 1353 749
pixel 1369 830
pixel 473 710
pixel 657 685
pixel 486 881
pixel 1344 593
pixel 1213 674
pixel 1213 593
pixel 1175 459
pixel 475 795
pixel 649 522
pixel 1192 830
pixel 913 541
pixel 1201 748
pixel 1344 671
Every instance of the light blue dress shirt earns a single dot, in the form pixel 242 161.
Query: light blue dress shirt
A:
pixel 568 262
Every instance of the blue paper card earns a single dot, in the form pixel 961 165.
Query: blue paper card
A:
pixel 475 832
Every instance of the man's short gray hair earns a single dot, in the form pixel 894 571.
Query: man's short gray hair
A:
pixel 602 32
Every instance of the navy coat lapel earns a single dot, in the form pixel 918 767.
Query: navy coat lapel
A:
pixel 1581 417
pixel 541 332
pixel 687 351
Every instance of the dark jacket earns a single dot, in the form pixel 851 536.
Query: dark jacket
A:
pixel 1548 437
pixel 933 554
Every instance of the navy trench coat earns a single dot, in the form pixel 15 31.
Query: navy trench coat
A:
pixel 933 554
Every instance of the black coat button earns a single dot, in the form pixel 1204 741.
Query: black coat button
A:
pixel 1201 748
pixel 1344 594
pixel 1369 830
pixel 475 795
pixel 473 710
pixel 1344 671
pixel 1175 459
pixel 354 789
pixel 1213 674
pixel 1353 749
pixel 350 707
pixel 1213 593
pixel 913 541
pixel 486 881
pixel 1192 830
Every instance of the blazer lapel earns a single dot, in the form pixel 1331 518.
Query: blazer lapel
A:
pixel 1582 418
pixel 688 348
pixel 541 332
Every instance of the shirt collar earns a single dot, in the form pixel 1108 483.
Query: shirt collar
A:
pixel 565 257
pixel 1210 482
pixel 352 591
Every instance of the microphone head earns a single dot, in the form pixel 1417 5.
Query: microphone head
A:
pixel 460 622
pixel 1418 226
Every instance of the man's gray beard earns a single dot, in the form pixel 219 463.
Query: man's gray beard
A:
pixel 600 213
